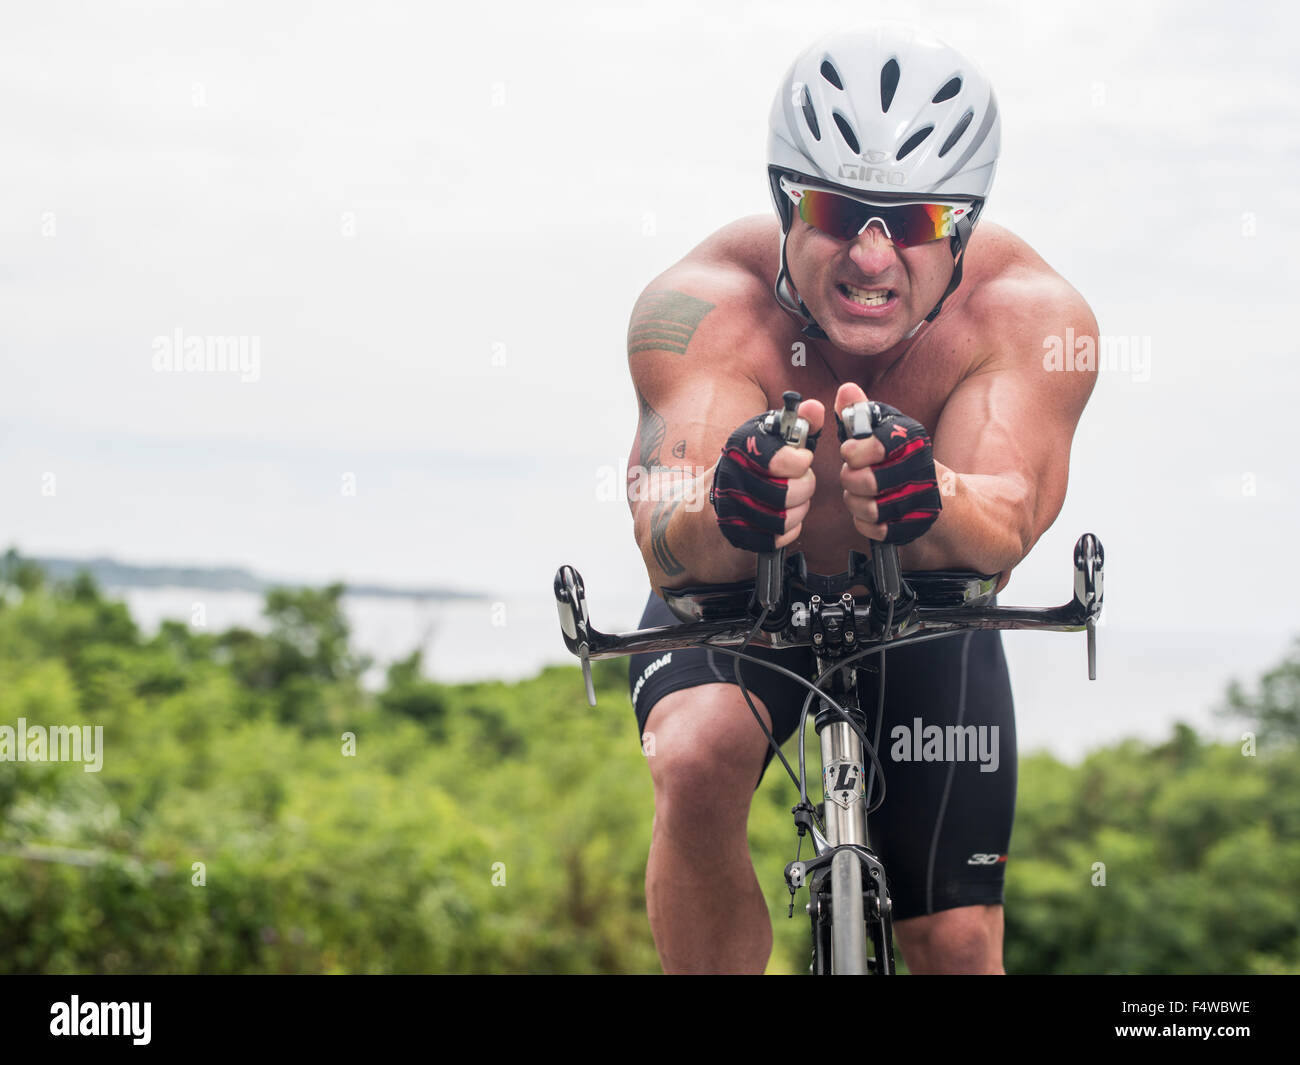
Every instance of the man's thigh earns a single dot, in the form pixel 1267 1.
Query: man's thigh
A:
pixel 948 748
pixel 696 688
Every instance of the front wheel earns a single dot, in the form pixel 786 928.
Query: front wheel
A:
pixel 848 921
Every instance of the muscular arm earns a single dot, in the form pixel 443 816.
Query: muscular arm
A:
pixel 685 353
pixel 1002 445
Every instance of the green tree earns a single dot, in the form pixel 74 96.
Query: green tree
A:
pixel 1273 708
pixel 504 827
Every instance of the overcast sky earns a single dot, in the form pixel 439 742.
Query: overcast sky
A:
pixel 433 220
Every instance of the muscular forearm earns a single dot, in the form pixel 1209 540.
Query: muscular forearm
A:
pixel 986 524
pixel 678 535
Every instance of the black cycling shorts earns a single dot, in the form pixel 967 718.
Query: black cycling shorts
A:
pixel 947 745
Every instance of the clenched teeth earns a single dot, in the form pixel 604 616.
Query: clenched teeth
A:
pixel 868 297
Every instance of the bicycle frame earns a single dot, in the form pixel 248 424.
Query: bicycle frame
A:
pixel 845 877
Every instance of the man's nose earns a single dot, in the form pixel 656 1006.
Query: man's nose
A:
pixel 872 251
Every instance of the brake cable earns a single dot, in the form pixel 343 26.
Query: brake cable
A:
pixel 801 780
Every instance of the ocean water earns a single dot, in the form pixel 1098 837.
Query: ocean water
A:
pixel 1148 678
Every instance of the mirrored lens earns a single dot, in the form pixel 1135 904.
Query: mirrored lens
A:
pixel 843 218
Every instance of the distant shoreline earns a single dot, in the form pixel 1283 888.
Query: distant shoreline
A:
pixel 110 573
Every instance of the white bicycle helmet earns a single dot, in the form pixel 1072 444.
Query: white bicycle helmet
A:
pixel 889 112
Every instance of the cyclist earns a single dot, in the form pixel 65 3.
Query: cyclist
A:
pixel 872 282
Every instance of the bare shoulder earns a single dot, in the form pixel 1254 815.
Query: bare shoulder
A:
pixel 1019 309
pixel 711 300
pixel 1015 297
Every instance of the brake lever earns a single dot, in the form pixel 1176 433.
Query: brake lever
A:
pixel 571 603
pixel 1088 589
pixel 771 565
pixel 859 423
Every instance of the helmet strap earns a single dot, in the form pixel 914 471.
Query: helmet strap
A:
pixel 788 298
pixel 959 239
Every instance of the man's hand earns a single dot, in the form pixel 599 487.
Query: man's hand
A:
pixel 888 478
pixel 762 487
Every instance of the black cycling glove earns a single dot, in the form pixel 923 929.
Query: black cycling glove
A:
pixel 749 501
pixel 907 489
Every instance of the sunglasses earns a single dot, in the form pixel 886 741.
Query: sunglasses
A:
pixel 845 217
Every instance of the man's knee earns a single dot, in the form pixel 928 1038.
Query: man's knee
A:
pixel 704 747
pixel 967 939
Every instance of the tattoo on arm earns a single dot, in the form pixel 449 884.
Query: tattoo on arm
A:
pixel 665 321
pixel 652 434
pixel 671 487
pixel 664 557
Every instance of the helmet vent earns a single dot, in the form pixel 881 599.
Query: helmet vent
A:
pixel 809 115
pixel 846 131
pixel 831 74
pixel 948 91
pixel 888 83
pixel 955 135
pixel 914 141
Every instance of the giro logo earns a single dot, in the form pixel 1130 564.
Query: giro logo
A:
pixel 898 431
pixel 986 859
pixel 751 445
pixel 863 172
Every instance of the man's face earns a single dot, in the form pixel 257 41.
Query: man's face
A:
pixel 866 293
